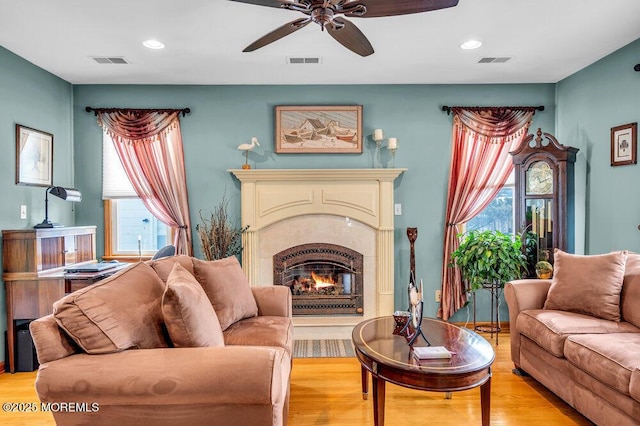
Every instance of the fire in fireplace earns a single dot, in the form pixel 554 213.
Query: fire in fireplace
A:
pixel 324 279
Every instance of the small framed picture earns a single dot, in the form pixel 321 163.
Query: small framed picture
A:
pixel 624 144
pixel 318 129
pixel 34 157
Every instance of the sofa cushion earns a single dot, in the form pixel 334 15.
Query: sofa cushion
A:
pixel 118 313
pixel 610 358
pixel 227 288
pixel 630 298
pixel 549 329
pixel 261 331
pixel 164 266
pixel 588 285
pixel 188 314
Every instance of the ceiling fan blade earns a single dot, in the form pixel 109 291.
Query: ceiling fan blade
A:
pixel 378 8
pixel 350 37
pixel 277 34
pixel 269 3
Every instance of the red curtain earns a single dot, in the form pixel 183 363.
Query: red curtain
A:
pixel 480 166
pixel 149 144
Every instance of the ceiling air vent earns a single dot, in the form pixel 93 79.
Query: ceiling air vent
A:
pixel 110 59
pixel 488 60
pixel 297 60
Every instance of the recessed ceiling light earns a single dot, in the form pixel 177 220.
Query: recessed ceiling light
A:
pixel 153 44
pixel 471 44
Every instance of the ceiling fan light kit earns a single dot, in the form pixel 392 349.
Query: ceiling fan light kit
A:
pixel 330 15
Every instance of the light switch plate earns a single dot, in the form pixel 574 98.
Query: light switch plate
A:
pixel 23 211
pixel 398 209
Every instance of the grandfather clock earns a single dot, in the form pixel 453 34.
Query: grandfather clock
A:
pixel 544 195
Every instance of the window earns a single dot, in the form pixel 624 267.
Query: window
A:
pixel 499 214
pixel 131 231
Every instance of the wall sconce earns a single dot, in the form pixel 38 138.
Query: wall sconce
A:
pixel 392 144
pixel 68 194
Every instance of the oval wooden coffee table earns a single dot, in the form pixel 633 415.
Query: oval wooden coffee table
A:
pixel 388 358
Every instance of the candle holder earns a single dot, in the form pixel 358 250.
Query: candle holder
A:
pixel 393 156
pixel 378 137
pixel 392 146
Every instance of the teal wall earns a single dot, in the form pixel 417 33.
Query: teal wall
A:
pixel 224 116
pixel 589 103
pixel 34 98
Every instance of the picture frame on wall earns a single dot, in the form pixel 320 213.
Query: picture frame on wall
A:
pixel 34 157
pixel 624 144
pixel 333 129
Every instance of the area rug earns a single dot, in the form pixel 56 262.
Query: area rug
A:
pixel 330 348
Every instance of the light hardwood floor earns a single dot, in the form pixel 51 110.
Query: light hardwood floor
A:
pixel 326 391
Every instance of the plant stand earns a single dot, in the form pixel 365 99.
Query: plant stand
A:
pixel 494 326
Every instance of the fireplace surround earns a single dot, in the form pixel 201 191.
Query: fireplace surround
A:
pixel 352 208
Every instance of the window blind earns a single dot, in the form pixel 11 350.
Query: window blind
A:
pixel 115 183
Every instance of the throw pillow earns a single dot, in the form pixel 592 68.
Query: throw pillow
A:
pixel 588 285
pixel 630 296
pixel 188 314
pixel 164 266
pixel 227 288
pixel 121 312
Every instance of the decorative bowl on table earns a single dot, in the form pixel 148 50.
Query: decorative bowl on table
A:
pixel 401 318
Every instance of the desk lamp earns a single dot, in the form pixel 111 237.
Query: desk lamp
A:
pixel 69 194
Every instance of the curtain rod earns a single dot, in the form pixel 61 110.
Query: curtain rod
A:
pixel 184 111
pixel 448 108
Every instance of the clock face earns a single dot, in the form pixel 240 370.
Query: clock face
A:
pixel 539 179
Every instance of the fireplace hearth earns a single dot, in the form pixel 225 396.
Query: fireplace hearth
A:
pixel 324 279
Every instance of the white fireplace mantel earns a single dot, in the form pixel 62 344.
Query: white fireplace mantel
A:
pixel 269 196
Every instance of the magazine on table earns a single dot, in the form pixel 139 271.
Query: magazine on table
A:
pixel 432 352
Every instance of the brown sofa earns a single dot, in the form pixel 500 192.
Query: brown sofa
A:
pixel 567 336
pixel 117 352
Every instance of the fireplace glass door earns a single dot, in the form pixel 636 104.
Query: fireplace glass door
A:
pixel 324 279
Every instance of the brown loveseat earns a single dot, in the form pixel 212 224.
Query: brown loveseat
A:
pixel 579 334
pixel 164 344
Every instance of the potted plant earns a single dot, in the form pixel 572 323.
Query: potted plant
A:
pixel 219 236
pixel 489 258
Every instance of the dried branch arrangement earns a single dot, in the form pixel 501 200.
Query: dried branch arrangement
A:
pixel 219 237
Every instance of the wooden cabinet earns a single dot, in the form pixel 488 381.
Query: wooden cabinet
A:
pixel 33 263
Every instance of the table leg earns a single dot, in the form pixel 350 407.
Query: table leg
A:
pixel 378 400
pixel 485 402
pixel 448 395
pixel 365 382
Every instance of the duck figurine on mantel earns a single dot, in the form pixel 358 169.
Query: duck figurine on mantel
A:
pixel 246 148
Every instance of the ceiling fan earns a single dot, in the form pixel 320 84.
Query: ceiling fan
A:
pixel 326 13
